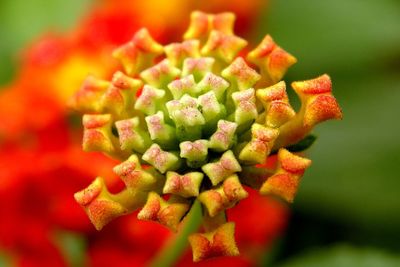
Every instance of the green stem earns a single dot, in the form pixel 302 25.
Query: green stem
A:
pixel 174 247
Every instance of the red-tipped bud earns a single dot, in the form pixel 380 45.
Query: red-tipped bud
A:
pixel 272 60
pixel 185 85
pixel 187 185
pixel 317 105
pixel 99 206
pixel 220 242
pixel 260 145
pixel 97 135
pixel 161 160
pixel 276 104
pixel 245 103
pixel 139 53
pixel 178 52
pixel 285 181
pixel 195 152
pixel 223 197
pixel 168 213
pixel 198 67
pixel 149 100
pixel 320 105
pixel 223 168
pixel 131 136
pixel 159 131
pixel 212 82
pixel 86 99
pixel 134 177
pixel 161 74
pixel 240 74
pixel 201 24
pixel 223 46
pixel 119 96
pixel 222 139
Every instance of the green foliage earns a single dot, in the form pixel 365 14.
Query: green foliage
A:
pixel 72 246
pixel 303 144
pixel 22 21
pixel 344 255
pixel 5 260
pixel 354 176
pixel 353 182
pixel 342 37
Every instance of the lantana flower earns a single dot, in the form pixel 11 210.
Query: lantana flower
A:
pixel 193 124
pixel 42 165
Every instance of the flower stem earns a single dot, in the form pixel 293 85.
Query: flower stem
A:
pixel 174 247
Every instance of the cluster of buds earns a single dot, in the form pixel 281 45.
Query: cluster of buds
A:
pixel 196 121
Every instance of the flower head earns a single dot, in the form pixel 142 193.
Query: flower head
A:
pixel 194 120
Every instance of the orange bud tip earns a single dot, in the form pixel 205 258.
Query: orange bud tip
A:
pixel 220 242
pixel 285 181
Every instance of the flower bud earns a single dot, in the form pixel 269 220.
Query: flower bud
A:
pixel 168 213
pixel 139 53
pixel 285 181
pixel 223 197
pixel 272 60
pixel 220 242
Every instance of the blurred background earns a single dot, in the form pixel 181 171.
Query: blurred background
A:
pixel 347 211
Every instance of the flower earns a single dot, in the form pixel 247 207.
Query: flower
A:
pixel 42 164
pixel 192 122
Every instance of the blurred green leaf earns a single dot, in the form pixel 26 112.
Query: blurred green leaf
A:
pixel 6 260
pixel 343 256
pixel 72 246
pixel 22 21
pixel 339 37
pixel 354 175
pixel 303 144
